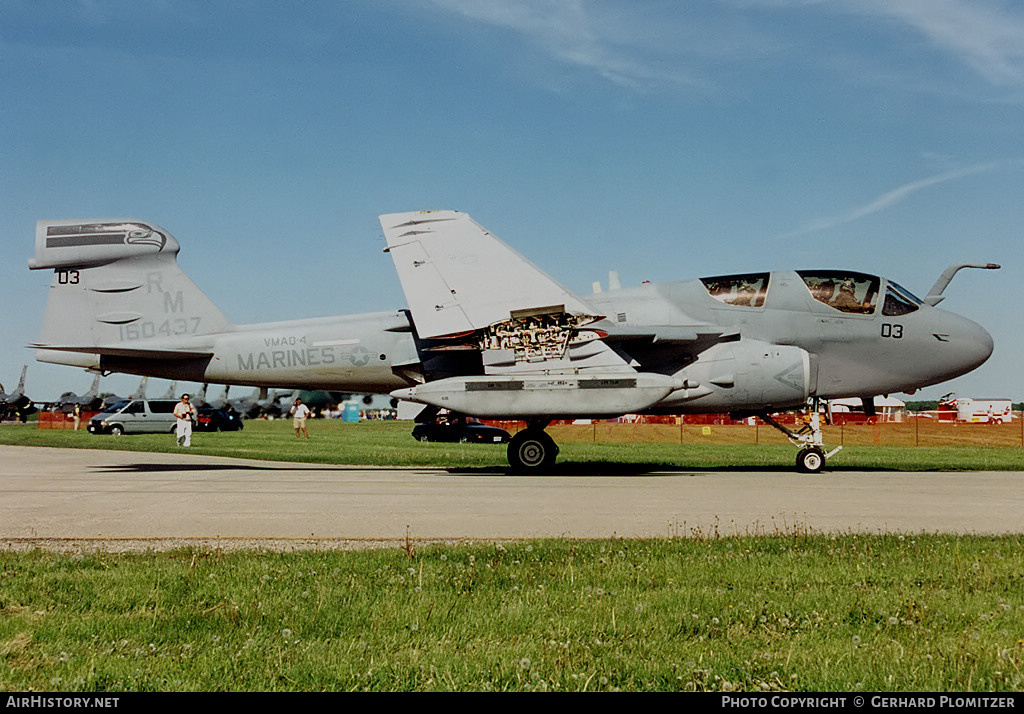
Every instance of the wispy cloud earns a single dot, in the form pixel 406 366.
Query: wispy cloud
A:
pixel 620 44
pixel 645 45
pixel 985 35
pixel 898 195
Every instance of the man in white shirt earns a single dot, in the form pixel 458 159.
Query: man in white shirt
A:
pixel 299 413
pixel 184 412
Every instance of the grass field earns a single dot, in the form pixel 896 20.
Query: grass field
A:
pixel 634 446
pixel 790 612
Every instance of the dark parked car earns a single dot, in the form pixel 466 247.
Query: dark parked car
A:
pixel 459 428
pixel 210 419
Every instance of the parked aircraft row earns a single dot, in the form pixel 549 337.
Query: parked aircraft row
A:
pixel 260 402
pixel 488 334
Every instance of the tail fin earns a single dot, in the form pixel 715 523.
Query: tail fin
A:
pixel 94 390
pixel 117 290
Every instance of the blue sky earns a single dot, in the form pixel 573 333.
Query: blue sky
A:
pixel 665 140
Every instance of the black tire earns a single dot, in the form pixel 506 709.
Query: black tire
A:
pixel 810 460
pixel 116 430
pixel 424 438
pixel 531 451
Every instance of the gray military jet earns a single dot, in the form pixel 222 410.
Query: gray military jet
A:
pixel 140 393
pixel 90 401
pixel 489 334
pixel 16 405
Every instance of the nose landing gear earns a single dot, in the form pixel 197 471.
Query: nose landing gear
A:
pixel 812 455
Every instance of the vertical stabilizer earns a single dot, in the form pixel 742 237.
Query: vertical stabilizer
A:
pixel 117 286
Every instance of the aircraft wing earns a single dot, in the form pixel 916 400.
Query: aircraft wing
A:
pixel 458 277
pixel 467 290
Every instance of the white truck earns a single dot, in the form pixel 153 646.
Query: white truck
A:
pixel 984 411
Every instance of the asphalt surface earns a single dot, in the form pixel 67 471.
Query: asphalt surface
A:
pixel 116 500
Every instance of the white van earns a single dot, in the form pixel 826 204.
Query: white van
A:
pixel 136 416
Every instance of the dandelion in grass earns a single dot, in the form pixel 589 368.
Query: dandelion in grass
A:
pixel 524 663
pixel 894 621
pixel 286 633
pixel 856 640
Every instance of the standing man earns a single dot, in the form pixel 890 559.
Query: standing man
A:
pixel 185 413
pixel 299 413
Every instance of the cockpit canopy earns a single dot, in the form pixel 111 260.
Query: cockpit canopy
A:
pixel 746 290
pixel 857 293
pixel 843 290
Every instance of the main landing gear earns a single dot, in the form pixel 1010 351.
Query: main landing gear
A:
pixel 532 450
pixel 812 455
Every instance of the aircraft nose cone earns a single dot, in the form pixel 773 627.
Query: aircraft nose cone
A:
pixel 973 345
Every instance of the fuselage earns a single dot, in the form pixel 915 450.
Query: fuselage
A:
pixel 779 338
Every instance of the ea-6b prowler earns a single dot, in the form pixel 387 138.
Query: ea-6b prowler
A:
pixel 488 334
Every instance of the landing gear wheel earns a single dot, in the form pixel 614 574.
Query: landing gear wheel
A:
pixel 810 460
pixel 531 451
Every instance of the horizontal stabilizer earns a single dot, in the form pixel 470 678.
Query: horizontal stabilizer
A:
pixel 127 352
pixel 79 244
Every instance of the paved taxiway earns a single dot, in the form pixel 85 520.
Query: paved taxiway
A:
pixel 83 494
pixel 87 494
